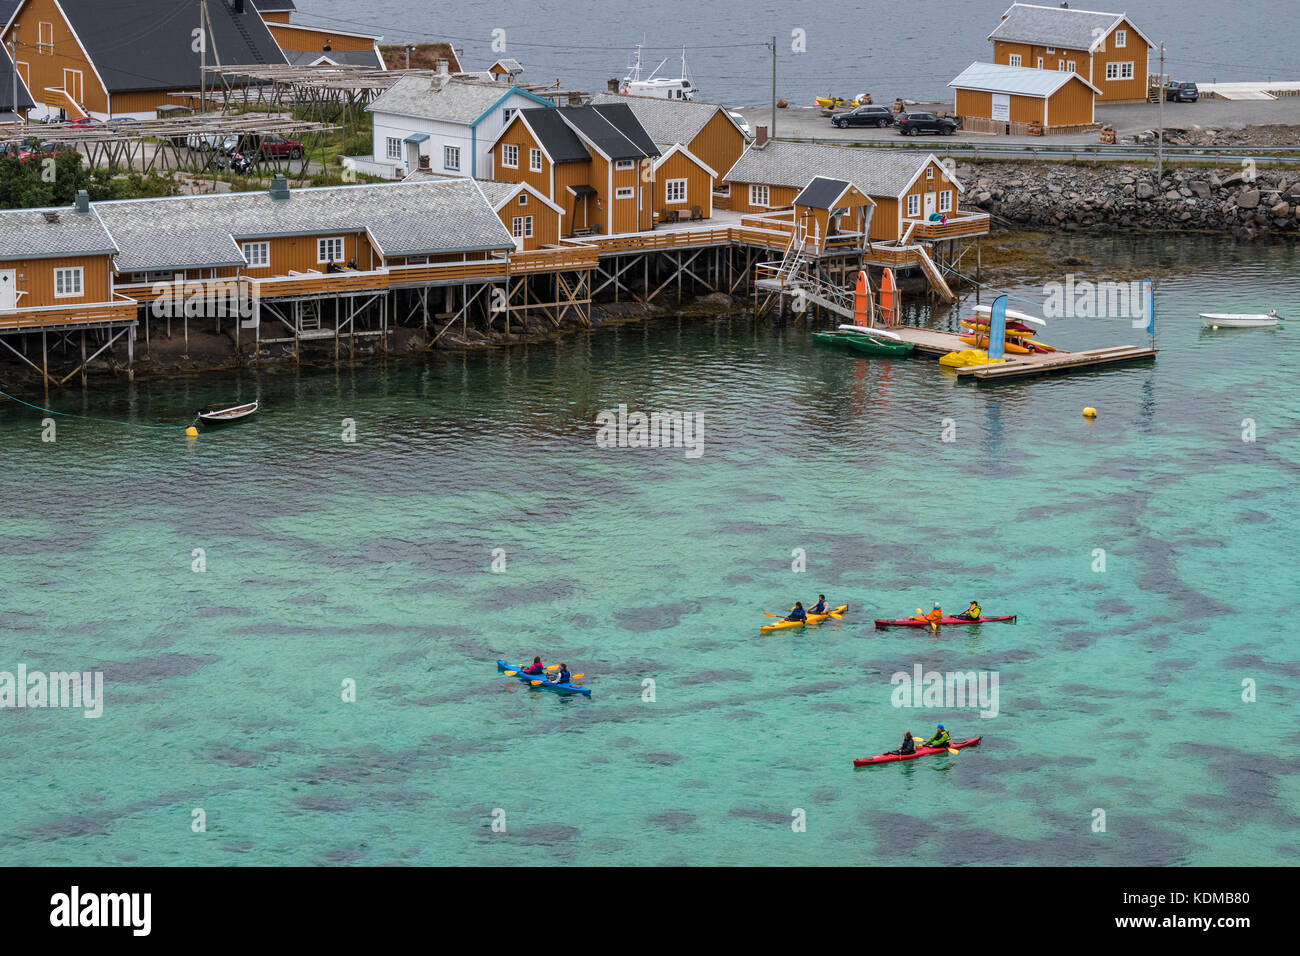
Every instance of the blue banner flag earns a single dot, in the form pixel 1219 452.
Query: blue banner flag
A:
pixel 997 326
pixel 1149 304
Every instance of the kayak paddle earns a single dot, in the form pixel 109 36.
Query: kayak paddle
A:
pixel 511 673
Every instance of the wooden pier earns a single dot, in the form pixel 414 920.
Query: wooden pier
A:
pixel 934 342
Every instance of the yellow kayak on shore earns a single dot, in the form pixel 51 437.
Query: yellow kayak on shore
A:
pixel 967 357
pixel 984 340
pixel 812 619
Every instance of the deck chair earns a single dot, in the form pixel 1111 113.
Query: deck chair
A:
pixel 697 212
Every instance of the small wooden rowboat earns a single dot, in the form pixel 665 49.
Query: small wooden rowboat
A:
pixel 221 414
pixel 1239 320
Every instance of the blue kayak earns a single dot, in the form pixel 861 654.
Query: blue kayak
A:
pixel 545 684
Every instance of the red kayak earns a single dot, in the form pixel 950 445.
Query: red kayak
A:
pixel 920 752
pixel 913 622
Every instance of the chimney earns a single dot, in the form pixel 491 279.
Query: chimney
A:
pixel 442 67
pixel 239 6
pixel 83 201
pixel 760 137
pixel 279 187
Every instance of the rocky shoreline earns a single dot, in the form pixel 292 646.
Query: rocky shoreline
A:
pixel 1246 203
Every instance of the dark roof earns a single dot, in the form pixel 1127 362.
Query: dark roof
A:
pixel 821 193
pixel 7 85
pixel 275 6
pixel 366 58
pixel 147 44
pixel 613 129
pixel 7 8
pixel 560 142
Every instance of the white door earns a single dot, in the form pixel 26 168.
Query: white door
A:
pixel 517 230
pixel 929 204
pixel 412 157
pixel 8 289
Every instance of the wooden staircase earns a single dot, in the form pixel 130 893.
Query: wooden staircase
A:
pixel 932 273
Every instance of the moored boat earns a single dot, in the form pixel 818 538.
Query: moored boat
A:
pixel 1239 320
pixel 223 414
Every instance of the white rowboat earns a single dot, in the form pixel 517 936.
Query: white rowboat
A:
pixel 1012 314
pixel 1239 320
pixel 869 331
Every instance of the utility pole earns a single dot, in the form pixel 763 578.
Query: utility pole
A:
pixel 408 57
pixel 203 56
pixel 772 132
pixel 1160 141
pixel 13 62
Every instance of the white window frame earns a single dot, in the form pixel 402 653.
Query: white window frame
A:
pixel 945 200
pixel 534 159
pixel 1060 66
pixel 507 114
pixel 523 199
pixel 929 172
pixel 450 153
pixel 1115 71
pixel 393 147
pixel 510 156
pixel 625 164
pixel 1013 59
pixel 1121 39
pixel 255 260
pixel 1040 62
pixel 1050 49
pixel 321 258
pixel 61 279
pixel 722 189
pixel 1073 66
pixel 624 192
pixel 45 38
pixel 913 205
pixel 521 227
pixel 759 195
pixel 675 185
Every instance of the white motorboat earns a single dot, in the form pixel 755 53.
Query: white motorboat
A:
pixel 668 88
pixel 1239 320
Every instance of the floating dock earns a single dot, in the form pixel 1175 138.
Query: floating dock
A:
pixel 934 342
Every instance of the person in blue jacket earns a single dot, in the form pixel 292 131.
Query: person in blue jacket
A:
pixel 562 676
pixel 820 606
pixel 797 613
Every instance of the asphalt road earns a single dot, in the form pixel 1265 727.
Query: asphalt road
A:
pixel 802 122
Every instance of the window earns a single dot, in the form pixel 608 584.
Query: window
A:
pixel 929 172
pixel 914 205
pixel 523 199
pixel 522 227
pixel 1060 65
pixel 625 164
pixel 945 200
pixel 1070 64
pixel 1121 38
pixel 624 192
pixel 506 114
pixel 451 157
pixel 510 156
pixel 675 190
pixel 722 189
pixel 67 282
pixel 393 147
pixel 1119 71
pixel 329 250
pixel 1040 62
pixel 45 38
pixel 1014 59
pixel 1050 49
pixel 257 254
pixel 535 160
pixel 758 195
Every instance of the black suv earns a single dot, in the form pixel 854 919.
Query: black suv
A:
pixel 1182 93
pixel 909 124
pixel 863 116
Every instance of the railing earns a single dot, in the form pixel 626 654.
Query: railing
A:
pixel 958 224
pixel 550 260
pixel 122 309
pixel 324 282
pixel 878 254
pixel 447 272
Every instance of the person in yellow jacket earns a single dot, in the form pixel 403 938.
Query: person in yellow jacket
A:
pixel 971 613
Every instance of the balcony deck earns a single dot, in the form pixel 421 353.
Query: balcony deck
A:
pixel 121 310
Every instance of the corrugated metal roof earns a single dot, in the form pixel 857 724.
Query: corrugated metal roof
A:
pixel 147 44
pixel 877 172
pixel 1017 80
pixel 1055 26
pixel 555 136
pixel 821 193
pixel 26 234
pixel 613 128
pixel 406 219
pixel 441 98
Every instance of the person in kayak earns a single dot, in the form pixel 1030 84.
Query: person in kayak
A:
pixel 535 667
pixel 971 613
pixel 797 613
pixel 820 606
pixel 908 747
pixel 940 738
pixel 563 676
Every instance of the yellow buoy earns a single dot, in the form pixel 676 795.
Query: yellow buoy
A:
pixel 1090 412
pixel 192 432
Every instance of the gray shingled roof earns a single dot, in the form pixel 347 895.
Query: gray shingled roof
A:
pixel 366 58
pixel 436 98
pixel 1054 26
pixel 25 234
pixel 877 172
pixel 667 121
pixel 405 219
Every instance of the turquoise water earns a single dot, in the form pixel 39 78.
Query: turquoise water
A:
pixel 329 560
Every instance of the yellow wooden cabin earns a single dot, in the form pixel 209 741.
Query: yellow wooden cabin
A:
pixel 1015 100
pixel 832 213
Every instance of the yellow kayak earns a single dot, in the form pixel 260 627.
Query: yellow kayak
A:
pixel 967 357
pixel 812 619
pixel 984 340
pixel 983 329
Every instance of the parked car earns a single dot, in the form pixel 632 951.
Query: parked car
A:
pixel 741 122
pixel 1182 93
pixel 206 141
pixel 909 124
pixel 270 145
pixel 863 116
pixel 85 122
